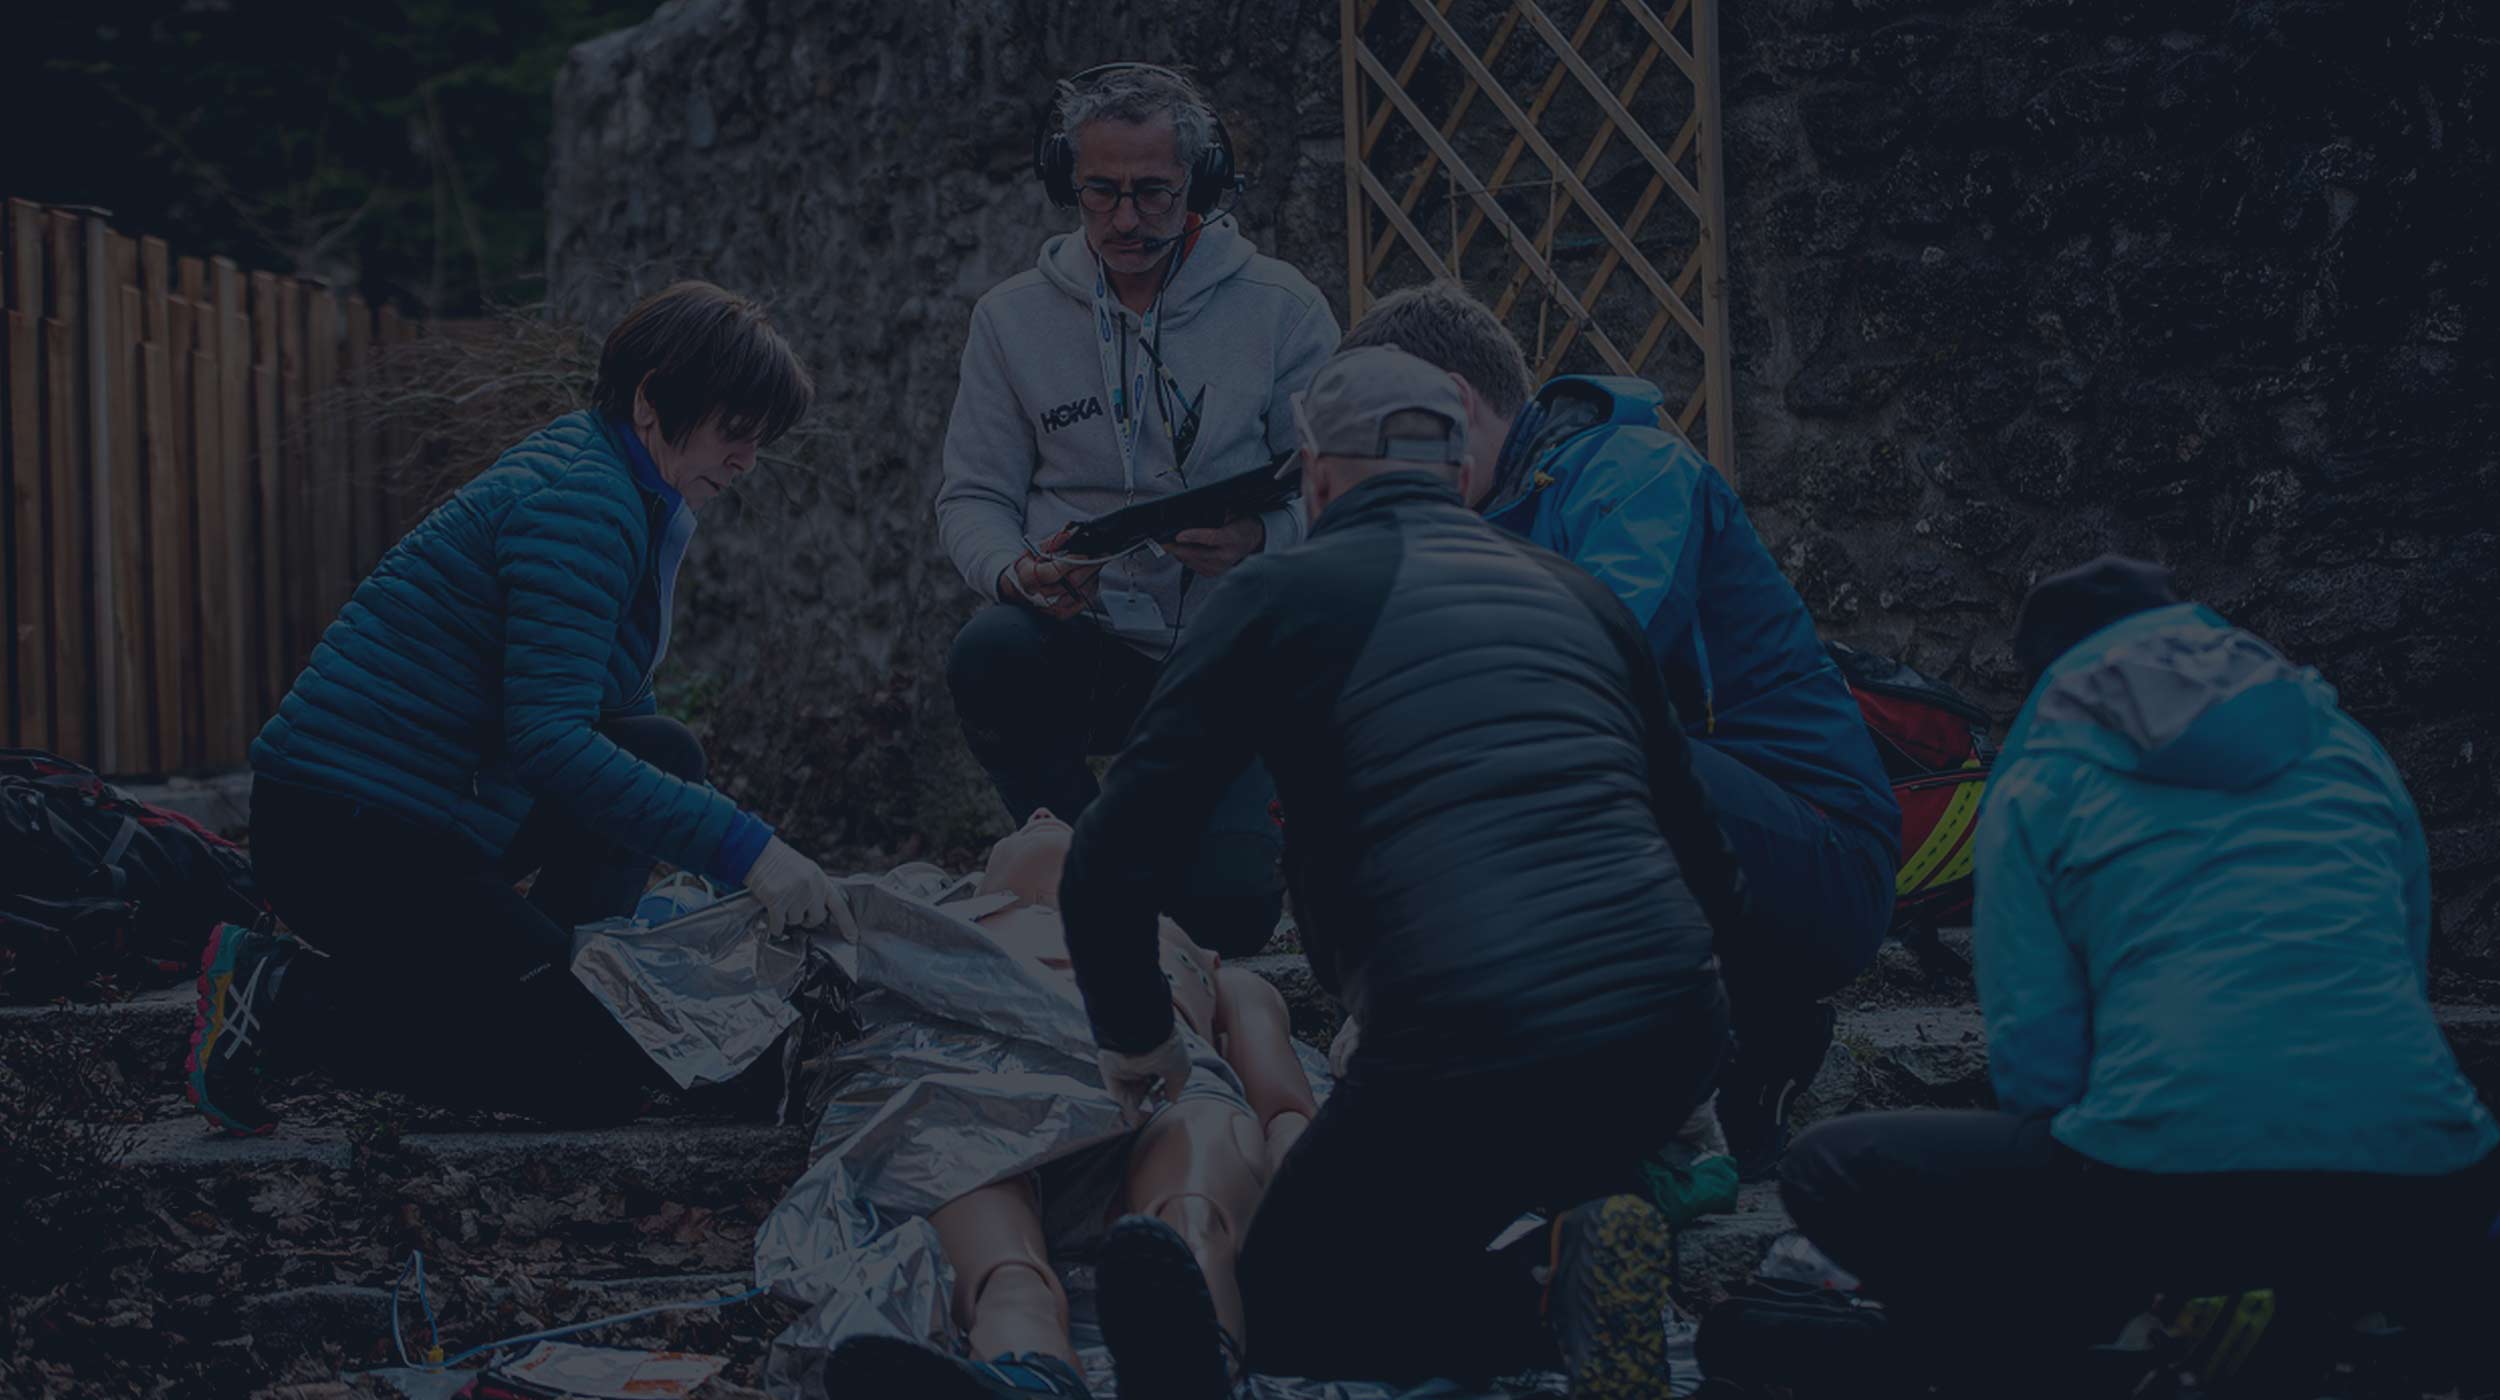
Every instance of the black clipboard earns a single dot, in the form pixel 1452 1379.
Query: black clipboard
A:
pixel 1252 492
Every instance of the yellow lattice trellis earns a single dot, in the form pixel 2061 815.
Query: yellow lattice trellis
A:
pixel 1384 109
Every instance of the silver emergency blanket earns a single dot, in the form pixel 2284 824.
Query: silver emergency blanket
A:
pixel 705 994
pixel 977 1067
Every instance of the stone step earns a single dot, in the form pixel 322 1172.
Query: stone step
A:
pixel 1717 1252
pixel 139 1041
pixel 300 1321
pixel 691 1162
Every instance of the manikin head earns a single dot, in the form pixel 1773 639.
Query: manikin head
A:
pixel 704 381
pixel 1444 327
pixel 1377 409
pixel 1027 861
pixel 1135 133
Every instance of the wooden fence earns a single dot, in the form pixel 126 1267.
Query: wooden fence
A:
pixel 1421 126
pixel 185 497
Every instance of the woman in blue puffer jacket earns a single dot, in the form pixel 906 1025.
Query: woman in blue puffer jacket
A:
pixel 481 709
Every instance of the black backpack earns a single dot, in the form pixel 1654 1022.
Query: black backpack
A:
pixel 1780 1337
pixel 101 893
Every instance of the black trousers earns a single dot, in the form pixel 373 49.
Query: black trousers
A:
pixel 441 981
pixel 1367 1258
pixel 1999 1249
pixel 1038 695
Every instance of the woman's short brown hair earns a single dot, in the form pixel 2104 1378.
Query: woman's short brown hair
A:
pixel 705 351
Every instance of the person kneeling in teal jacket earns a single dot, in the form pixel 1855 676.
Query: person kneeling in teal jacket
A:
pixel 482 709
pixel 2202 933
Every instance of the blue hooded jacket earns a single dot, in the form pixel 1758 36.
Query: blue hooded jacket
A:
pixel 2204 918
pixel 1595 471
pixel 465 678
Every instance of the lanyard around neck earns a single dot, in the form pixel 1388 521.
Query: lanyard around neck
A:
pixel 1127 385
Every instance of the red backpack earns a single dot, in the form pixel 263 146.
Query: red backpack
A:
pixel 1934 744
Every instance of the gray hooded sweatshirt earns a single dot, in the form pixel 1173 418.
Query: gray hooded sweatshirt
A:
pixel 1031 444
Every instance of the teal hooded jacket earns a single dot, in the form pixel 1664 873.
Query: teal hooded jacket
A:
pixel 2204 918
pixel 465 679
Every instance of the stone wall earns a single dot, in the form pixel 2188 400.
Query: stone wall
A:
pixel 2014 282
pixel 2020 282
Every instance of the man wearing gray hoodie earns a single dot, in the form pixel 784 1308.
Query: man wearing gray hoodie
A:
pixel 1150 351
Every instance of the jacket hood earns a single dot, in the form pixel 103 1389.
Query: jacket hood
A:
pixel 1218 251
pixel 1565 408
pixel 2178 695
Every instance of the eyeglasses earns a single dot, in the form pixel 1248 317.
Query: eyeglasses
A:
pixel 1152 201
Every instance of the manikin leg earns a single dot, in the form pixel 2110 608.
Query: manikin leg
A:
pixel 1200 1167
pixel 1007 1297
pixel 1257 1041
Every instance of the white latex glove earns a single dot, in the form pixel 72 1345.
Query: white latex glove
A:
pixel 795 891
pixel 1341 1049
pixel 1142 1082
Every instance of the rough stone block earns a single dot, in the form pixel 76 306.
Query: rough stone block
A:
pixel 1717 1252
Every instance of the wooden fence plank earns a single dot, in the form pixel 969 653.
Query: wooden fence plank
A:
pixel 291 475
pixel 175 558
pixel 390 335
pixel 193 327
pixel 229 607
pixel 356 379
pixel 30 622
pixel 122 553
pixel 206 706
pixel 167 575
pixel 334 542
pixel 105 357
pixel 269 597
pixel 65 452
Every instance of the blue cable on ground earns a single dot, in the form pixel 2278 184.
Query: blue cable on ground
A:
pixel 433 1334
pixel 436 1362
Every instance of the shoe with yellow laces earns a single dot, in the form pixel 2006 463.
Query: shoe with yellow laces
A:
pixel 1610 1262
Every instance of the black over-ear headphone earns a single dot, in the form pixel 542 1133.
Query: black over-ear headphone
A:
pixel 1211 176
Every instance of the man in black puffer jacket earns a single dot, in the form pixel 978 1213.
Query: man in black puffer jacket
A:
pixel 1503 867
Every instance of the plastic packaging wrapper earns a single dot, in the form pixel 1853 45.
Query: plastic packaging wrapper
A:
pixel 705 994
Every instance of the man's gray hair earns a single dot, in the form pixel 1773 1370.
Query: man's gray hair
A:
pixel 1440 324
pixel 1140 95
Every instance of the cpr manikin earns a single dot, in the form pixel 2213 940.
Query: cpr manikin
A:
pixel 1200 1165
